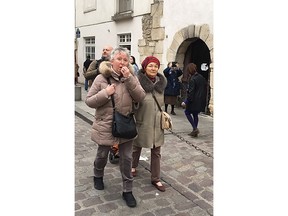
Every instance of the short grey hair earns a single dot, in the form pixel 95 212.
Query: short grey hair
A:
pixel 119 50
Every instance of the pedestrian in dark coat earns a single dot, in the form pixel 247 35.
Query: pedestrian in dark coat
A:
pixel 85 68
pixel 94 65
pixel 172 90
pixel 196 97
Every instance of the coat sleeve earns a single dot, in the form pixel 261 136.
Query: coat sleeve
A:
pixel 166 72
pixel 191 91
pixel 179 72
pixel 92 66
pixel 97 95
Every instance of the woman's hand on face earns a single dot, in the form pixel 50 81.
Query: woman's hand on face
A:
pixel 125 71
pixel 110 89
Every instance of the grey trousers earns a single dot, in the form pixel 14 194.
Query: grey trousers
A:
pixel 154 163
pixel 125 163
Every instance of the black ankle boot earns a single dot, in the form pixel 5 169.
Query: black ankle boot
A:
pixel 129 198
pixel 98 183
pixel 166 107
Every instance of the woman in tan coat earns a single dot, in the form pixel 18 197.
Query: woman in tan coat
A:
pixel 150 134
pixel 125 88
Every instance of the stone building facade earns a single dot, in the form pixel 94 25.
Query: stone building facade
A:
pixel 185 36
pixel 154 35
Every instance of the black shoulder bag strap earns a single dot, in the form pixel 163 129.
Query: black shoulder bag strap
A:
pixel 112 96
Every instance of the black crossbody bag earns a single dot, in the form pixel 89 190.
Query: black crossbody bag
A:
pixel 123 126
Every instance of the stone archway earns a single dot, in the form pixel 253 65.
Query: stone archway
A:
pixel 182 39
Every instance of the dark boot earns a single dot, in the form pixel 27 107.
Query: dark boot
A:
pixel 166 107
pixel 98 183
pixel 173 113
pixel 194 133
pixel 172 110
pixel 129 198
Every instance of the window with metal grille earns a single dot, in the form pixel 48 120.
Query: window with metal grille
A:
pixel 124 40
pixel 90 47
pixel 125 5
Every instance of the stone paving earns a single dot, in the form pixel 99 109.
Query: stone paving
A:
pixel 186 171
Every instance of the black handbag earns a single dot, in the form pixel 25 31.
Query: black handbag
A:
pixel 123 126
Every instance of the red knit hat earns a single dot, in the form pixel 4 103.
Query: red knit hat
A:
pixel 148 60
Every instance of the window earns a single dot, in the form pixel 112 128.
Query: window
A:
pixel 90 47
pixel 125 5
pixel 89 5
pixel 124 40
pixel 124 10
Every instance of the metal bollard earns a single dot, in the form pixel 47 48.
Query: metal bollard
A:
pixel 77 93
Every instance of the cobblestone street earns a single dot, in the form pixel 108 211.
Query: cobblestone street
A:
pixel 186 170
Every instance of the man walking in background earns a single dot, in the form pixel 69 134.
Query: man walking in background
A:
pixel 85 68
pixel 93 67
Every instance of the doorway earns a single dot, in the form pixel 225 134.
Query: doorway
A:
pixel 198 53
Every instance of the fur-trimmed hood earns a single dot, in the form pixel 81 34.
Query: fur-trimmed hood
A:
pixel 105 68
pixel 148 86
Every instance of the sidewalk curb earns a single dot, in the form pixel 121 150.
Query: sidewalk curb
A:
pixel 87 117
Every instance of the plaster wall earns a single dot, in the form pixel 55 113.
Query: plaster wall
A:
pixel 104 10
pixel 186 13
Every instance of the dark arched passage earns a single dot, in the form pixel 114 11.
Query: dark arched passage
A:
pixel 198 53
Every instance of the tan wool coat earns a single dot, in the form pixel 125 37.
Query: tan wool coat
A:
pixel 128 90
